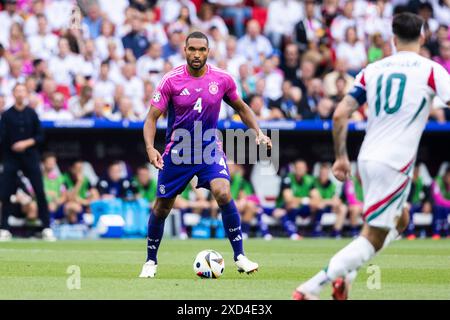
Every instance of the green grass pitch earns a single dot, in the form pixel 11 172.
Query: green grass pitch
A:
pixel 109 268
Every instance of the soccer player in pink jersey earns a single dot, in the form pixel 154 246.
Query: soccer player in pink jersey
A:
pixel 192 94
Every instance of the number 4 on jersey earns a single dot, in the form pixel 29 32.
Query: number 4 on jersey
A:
pixel 198 105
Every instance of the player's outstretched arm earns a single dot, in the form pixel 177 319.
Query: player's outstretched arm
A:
pixel 248 117
pixel 149 136
pixel 341 167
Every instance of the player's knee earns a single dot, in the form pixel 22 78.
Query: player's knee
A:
pixel 161 211
pixel 222 197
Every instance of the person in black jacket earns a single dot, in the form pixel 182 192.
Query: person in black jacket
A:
pixel 20 134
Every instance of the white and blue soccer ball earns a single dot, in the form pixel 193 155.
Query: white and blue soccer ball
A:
pixel 209 264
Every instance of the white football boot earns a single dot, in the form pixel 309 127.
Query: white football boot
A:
pixel 5 235
pixel 245 265
pixel 48 235
pixel 148 269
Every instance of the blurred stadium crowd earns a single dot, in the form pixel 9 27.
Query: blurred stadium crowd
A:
pixel 102 59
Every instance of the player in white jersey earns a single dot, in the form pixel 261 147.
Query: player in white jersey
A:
pixel 399 90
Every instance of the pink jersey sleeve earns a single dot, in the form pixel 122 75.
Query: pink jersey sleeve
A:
pixel 161 97
pixel 231 91
pixel 438 197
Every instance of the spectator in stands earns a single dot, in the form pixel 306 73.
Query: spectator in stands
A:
pixel 309 29
pixel 83 104
pixel 107 34
pixel 343 22
pixel 296 189
pixel 170 10
pixel 8 17
pixel 354 197
pixel 89 62
pixel 273 80
pixel 15 76
pixel 135 40
pixel 288 104
pixel 314 94
pixel 43 44
pixel 93 21
pixel 191 200
pixel 282 16
pixel 104 86
pixel 54 188
pixel 79 192
pixel 325 109
pixel 174 45
pixel 330 79
pixel 353 51
pixel 57 111
pixel 441 10
pixel 253 45
pixel 182 23
pixel 375 51
pixel 247 81
pixel 418 201
pixel 133 87
pixel 125 111
pixel 65 65
pixel 234 59
pixel 341 90
pixel 101 110
pixel 235 10
pixel 290 63
pixel 440 194
pixel 151 63
pixel 325 198
pixel 261 110
pixel 16 40
pixel 444 55
pixel 115 184
pixel 208 19
pixel 145 184
pixel 31 25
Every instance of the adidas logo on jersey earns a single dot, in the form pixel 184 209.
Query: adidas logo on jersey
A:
pixel 224 172
pixel 185 92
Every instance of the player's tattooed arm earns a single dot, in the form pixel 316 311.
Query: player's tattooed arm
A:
pixel 346 107
pixel 154 156
pixel 249 119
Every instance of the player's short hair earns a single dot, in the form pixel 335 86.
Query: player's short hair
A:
pixel 407 26
pixel 197 35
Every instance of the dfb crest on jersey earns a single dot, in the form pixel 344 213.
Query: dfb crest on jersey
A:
pixel 213 87
pixel 162 189
pixel 157 96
